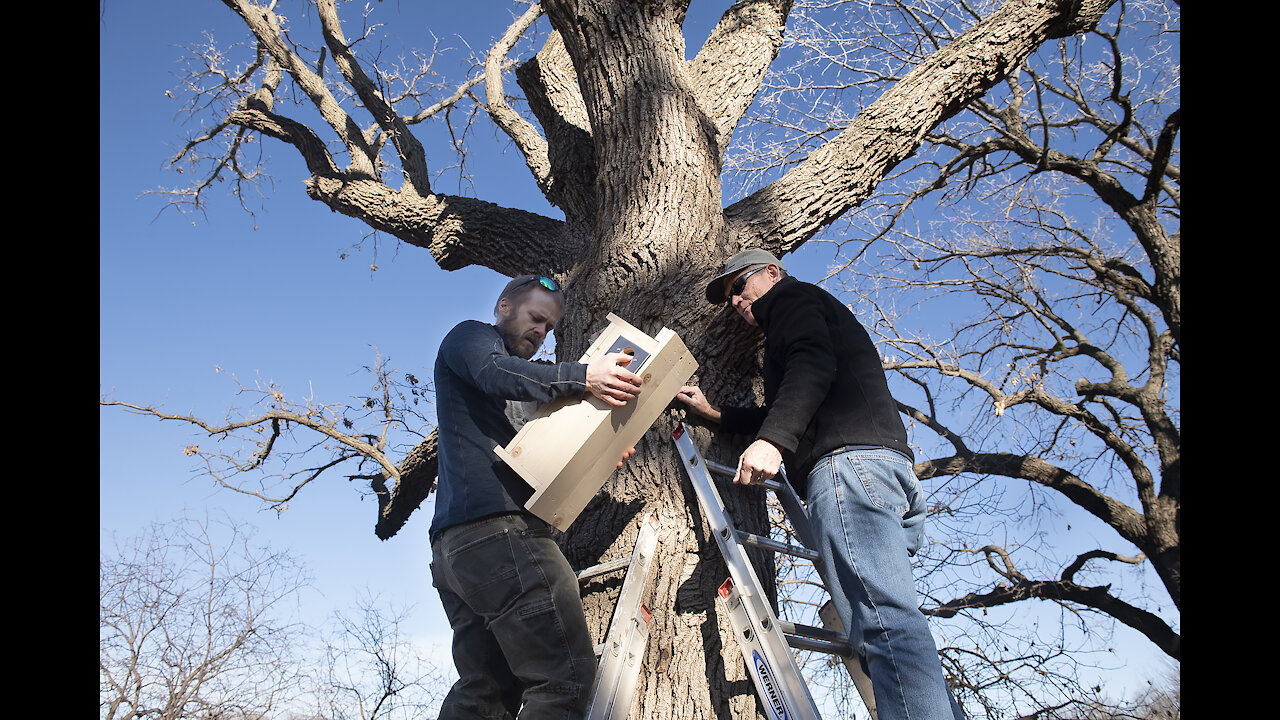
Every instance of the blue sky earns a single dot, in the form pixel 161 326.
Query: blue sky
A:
pixel 270 297
pixel 181 296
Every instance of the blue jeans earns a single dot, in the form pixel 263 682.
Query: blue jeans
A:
pixel 867 511
pixel 519 633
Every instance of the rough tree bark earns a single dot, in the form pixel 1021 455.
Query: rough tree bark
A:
pixel 630 146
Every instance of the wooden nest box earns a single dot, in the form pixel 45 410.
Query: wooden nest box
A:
pixel 569 448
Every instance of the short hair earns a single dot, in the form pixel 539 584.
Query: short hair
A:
pixel 522 285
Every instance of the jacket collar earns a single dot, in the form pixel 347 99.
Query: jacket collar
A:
pixel 764 304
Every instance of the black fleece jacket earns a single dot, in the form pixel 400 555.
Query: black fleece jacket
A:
pixel 824 387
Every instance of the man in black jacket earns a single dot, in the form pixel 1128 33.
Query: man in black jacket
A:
pixel 828 413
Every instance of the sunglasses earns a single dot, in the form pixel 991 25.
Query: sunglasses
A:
pixel 740 283
pixel 545 282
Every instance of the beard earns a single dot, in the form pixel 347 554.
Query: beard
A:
pixel 521 345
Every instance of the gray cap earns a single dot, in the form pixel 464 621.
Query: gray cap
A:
pixel 735 264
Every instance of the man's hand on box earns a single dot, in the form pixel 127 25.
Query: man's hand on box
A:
pixel 626 455
pixel 609 379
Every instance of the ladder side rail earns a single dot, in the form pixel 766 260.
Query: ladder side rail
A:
pixel 722 528
pixel 761 619
pixel 717 516
pixel 629 599
pixel 782 691
pixel 627 635
pixel 854 663
pixel 619 671
pixel 614 703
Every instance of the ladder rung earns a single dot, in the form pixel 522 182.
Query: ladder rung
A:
pixel 791 504
pixel 725 470
pixel 801 642
pixel 824 640
pixel 765 543
pixel 602 568
pixel 716 467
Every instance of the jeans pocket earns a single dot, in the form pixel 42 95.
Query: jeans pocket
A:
pixel 486 572
pixel 879 480
pixel 541 606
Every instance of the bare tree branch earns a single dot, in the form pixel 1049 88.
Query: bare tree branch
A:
pixel 845 170
pixel 731 65
pixel 192 623
pixel 412 159
pixel 417 478
pixel 526 137
pixel 269 31
pixel 330 434
pixel 1019 589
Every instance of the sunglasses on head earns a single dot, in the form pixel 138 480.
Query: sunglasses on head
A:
pixel 740 283
pixel 545 282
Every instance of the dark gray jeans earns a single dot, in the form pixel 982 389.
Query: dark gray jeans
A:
pixel 520 640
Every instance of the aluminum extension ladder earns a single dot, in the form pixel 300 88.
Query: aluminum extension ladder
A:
pixel 766 641
pixel 624 643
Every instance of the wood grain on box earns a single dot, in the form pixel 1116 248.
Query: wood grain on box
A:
pixel 569 448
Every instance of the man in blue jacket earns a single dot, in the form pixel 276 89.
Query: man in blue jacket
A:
pixel 828 413
pixel 520 639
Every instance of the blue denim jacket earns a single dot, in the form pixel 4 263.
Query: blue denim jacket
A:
pixel 475 375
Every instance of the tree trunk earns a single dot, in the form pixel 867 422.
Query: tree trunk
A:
pixel 656 230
